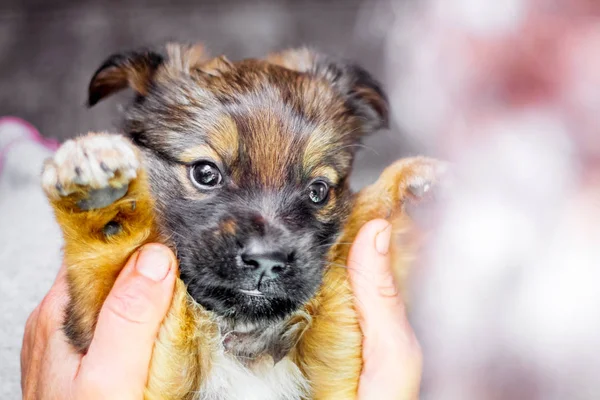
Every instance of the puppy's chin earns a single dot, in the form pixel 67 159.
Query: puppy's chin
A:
pixel 245 306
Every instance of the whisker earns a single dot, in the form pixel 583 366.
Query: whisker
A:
pixel 334 264
pixel 360 146
pixel 356 283
pixel 358 271
pixel 345 259
pixel 336 243
pixel 334 290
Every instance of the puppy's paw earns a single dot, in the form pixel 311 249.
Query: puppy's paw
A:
pixel 411 181
pixel 94 170
pixel 420 183
pixel 419 178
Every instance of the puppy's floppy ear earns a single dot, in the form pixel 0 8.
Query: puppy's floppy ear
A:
pixel 133 69
pixel 363 94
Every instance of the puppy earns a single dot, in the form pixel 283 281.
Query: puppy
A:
pixel 242 169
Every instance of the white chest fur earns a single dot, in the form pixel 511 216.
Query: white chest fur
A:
pixel 231 380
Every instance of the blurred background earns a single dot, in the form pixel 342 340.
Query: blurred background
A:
pixel 50 49
pixel 504 296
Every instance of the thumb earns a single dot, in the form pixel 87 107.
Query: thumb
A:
pixel 391 354
pixel 372 279
pixel 117 363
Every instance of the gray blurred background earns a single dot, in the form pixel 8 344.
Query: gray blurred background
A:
pixel 50 49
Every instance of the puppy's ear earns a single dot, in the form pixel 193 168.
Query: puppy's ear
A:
pixel 363 94
pixel 184 58
pixel 132 69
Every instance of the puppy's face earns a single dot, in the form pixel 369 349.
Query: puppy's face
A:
pixel 248 163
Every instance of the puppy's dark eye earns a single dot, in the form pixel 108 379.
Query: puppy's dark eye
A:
pixel 205 175
pixel 318 192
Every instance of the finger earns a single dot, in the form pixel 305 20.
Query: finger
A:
pixel 31 351
pixel 52 305
pixel 28 340
pixel 117 363
pixel 378 299
pixel 58 367
pixel 391 354
pixel 61 275
pixel 44 322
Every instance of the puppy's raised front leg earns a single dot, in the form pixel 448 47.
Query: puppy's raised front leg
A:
pixel 102 203
pixel 331 350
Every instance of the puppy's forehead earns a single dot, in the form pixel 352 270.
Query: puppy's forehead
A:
pixel 267 120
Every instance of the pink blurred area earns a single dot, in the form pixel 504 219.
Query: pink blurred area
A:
pixel 502 59
pixel 506 300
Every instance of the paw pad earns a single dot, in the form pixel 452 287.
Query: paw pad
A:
pixel 97 166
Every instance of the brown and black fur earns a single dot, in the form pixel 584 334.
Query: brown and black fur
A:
pixel 272 127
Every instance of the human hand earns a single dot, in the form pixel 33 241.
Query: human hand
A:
pixel 392 358
pixel 117 362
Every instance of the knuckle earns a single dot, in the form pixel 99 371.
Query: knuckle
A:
pixel 32 319
pixel 50 311
pixel 131 303
pixel 387 288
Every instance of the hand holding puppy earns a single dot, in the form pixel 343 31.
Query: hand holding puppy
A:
pixel 392 358
pixel 116 365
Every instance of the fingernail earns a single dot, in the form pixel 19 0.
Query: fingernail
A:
pixel 382 240
pixel 154 263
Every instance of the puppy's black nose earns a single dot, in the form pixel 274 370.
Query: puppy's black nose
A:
pixel 267 264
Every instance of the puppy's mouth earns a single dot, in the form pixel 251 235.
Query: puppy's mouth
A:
pixel 246 295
